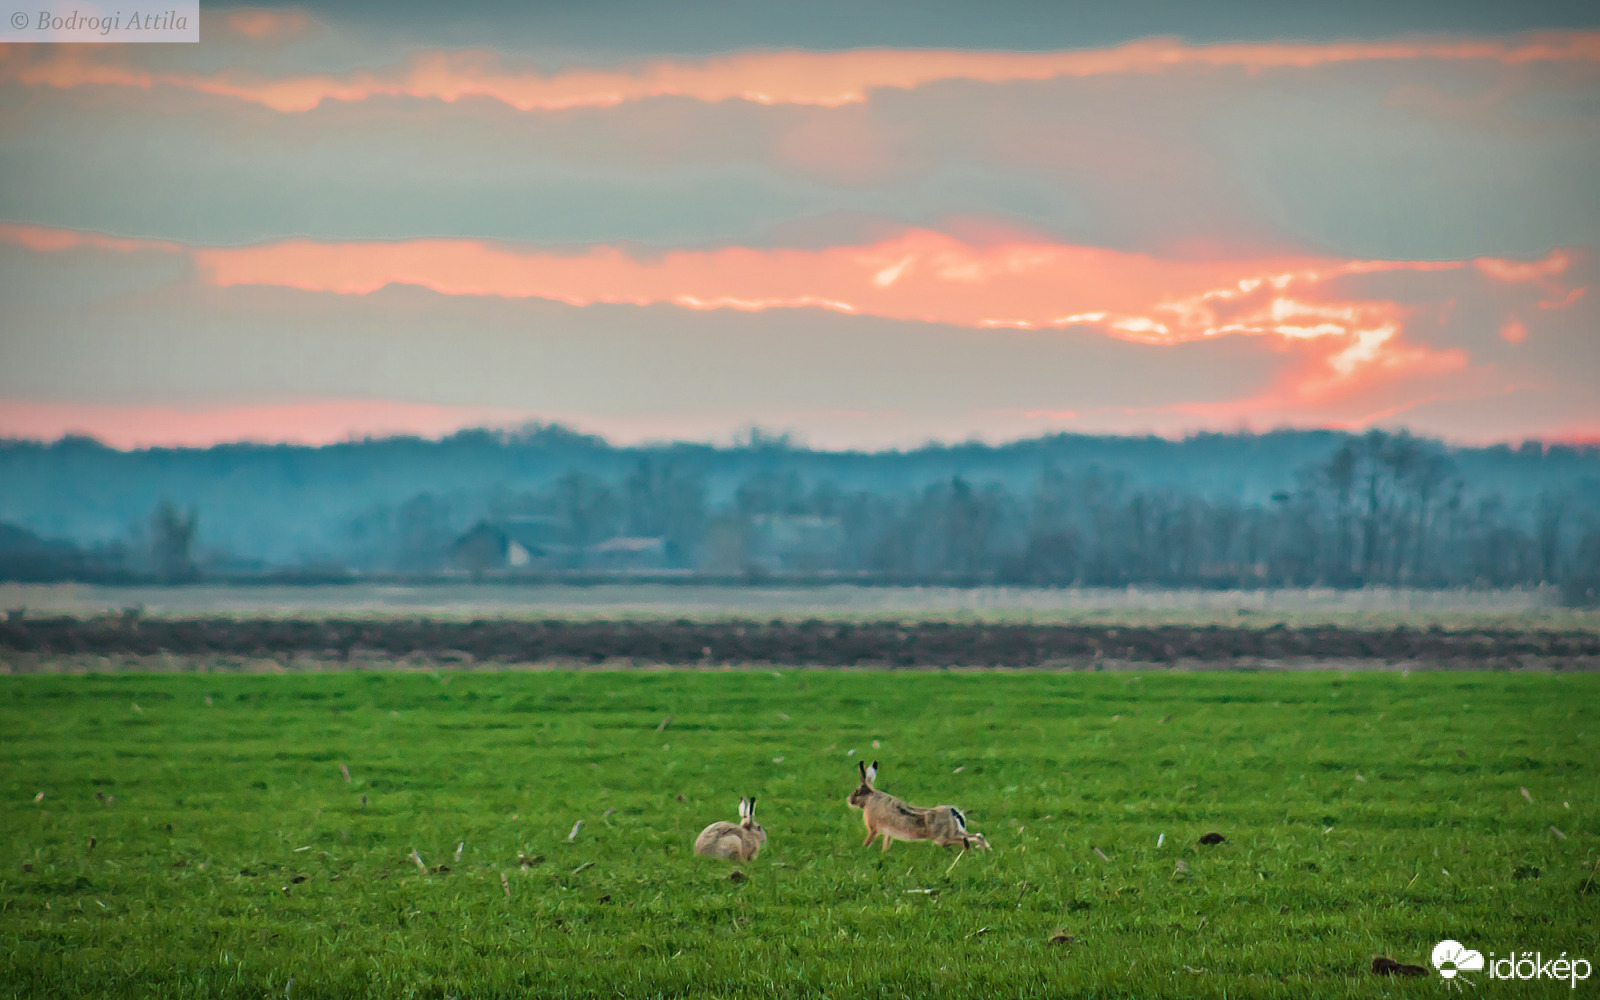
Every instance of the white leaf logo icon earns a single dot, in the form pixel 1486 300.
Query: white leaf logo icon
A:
pixel 1451 957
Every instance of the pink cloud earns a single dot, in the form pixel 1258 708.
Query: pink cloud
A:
pixel 828 79
pixel 315 422
pixel 1345 327
pixel 917 275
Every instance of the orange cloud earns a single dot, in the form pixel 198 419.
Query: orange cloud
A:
pixel 827 79
pixel 44 239
pixel 919 275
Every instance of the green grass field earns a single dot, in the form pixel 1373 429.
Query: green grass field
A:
pixel 1365 814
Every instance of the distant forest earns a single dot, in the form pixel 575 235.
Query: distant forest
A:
pixel 1287 508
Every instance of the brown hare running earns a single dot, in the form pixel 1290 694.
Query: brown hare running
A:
pixel 891 819
pixel 739 842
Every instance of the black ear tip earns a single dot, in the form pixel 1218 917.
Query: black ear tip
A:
pixel 874 765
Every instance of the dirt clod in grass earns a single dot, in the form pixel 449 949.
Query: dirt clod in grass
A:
pixel 297 880
pixel 604 899
pixel 27 867
pixel 1061 937
pixel 92 842
pixel 1384 966
pixel 681 798
pixel 1213 838
pixel 737 876
pixel 528 861
pixel 1282 910
pixel 1525 872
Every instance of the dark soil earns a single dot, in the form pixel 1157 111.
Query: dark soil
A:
pixel 820 643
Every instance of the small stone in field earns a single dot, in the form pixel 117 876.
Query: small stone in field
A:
pixel 1061 937
pixel 1213 838
pixel 737 876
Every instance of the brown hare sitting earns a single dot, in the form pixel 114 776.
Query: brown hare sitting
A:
pixel 892 819
pixel 739 842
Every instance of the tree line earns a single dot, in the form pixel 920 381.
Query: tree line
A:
pixel 1374 509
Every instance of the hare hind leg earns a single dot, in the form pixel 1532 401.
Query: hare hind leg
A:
pixel 886 842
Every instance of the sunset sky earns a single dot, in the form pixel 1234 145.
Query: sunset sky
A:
pixel 868 224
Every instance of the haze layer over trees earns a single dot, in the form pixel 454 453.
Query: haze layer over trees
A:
pixel 1287 508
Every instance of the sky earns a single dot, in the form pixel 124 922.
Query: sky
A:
pixel 865 224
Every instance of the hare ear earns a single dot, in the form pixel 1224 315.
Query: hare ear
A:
pixel 744 809
pixel 750 810
pixel 863 765
pixel 872 773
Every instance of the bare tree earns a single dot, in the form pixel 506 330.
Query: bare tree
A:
pixel 172 535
